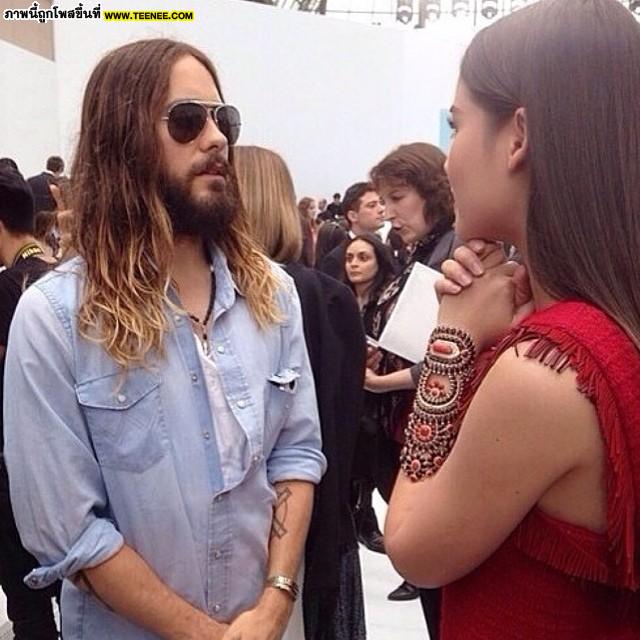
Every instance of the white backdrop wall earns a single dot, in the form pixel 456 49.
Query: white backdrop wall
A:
pixel 331 96
pixel 28 108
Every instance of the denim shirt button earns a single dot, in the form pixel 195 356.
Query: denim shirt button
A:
pixel 220 349
pixel 217 607
pixel 206 435
pixel 217 554
pixel 33 581
pixel 194 377
pixel 121 398
pixel 241 404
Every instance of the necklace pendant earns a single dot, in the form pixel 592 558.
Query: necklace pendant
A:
pixel 205 343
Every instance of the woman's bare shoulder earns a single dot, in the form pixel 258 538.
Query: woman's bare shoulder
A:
pixel 546 399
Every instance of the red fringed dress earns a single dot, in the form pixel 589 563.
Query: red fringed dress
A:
pixel 552 580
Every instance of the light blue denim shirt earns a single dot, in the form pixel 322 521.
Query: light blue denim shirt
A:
pixel 97 459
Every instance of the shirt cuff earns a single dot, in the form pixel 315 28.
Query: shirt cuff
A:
pixel 281 467
pixel 99 542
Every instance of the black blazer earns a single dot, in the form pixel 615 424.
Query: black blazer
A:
pixel 42 198
pixel 337 350
pixel 333 262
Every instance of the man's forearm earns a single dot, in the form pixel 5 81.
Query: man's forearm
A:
pixel 127 585
pixel 291 517
pixel 290 524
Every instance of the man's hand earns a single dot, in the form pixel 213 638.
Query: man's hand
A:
pixel 266 621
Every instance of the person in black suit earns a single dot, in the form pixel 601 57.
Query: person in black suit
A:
pixel 334 210
pixel 43 199
pixel 364 213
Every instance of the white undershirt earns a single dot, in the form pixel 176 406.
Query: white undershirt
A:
pixel 228 433
pixel 231 439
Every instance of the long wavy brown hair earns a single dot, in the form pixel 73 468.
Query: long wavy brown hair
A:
pixel 123 230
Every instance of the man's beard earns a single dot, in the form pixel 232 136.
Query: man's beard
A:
pixel 208 217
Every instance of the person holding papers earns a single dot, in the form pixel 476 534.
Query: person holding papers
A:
pixel 367 268
pixel 419 204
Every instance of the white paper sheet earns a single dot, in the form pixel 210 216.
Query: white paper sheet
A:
pixel 415 315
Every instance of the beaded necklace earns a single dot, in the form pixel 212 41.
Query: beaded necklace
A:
pixel 202 324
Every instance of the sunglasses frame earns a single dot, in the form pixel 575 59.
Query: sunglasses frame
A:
pixel 211 109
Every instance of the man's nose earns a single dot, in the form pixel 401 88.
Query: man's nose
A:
pixel 212 137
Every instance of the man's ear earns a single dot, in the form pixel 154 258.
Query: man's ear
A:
pixel 352 216
pixel 519 140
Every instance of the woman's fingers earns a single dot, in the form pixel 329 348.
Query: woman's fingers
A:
pixel 477 245
pixel 493 256
pixel 457 272
pixel 445 287
pixel 469 260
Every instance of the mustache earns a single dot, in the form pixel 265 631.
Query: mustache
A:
pixel 213 161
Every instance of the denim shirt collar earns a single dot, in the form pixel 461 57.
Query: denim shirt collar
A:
pixel 226 288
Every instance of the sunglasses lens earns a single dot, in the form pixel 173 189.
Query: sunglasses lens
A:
pixel 228 121
pixel 186 121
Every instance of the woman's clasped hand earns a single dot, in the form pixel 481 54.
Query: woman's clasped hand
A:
pixel 482 292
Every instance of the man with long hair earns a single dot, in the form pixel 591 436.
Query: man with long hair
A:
pixel 166 443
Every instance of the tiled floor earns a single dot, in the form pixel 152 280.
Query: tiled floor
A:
pixel 385 620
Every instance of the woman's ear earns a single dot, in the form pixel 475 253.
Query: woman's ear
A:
pixel 519 140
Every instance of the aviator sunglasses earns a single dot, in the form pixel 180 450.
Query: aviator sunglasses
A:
pixel 187 118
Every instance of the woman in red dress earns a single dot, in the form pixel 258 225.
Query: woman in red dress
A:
pixel 520 482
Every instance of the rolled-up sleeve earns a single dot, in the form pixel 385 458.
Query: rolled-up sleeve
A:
pixel 297 454
pixel 57 492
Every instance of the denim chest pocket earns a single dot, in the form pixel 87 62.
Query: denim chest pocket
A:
pixel 125 420
pixel 281 393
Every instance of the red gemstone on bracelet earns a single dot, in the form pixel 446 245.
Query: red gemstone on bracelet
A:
pixel 415 465
pixel 442 348
pixel 424 432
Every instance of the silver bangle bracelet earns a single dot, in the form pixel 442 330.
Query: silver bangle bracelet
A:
pixel 285 584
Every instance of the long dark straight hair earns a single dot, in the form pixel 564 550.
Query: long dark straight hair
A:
pixel 574 65
pixel 386 270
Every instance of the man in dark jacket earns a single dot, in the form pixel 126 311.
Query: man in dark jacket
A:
pixel 43 200
pixel 364 213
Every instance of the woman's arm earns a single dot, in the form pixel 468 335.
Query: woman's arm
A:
pixel 527 428
pixel 395 381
